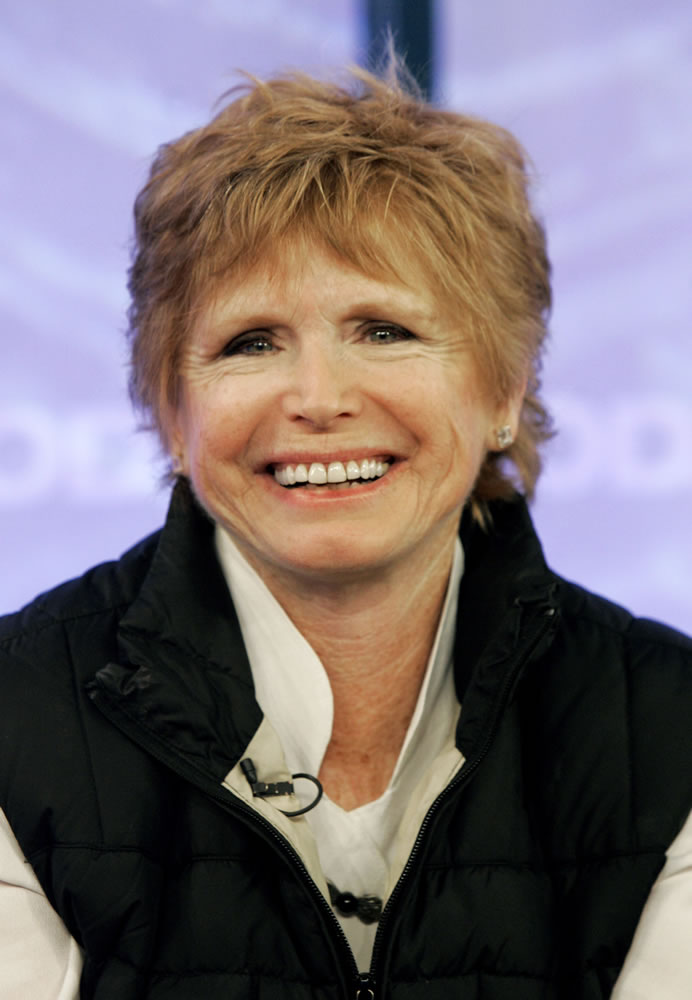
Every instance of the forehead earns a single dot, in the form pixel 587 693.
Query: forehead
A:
pixel 306 275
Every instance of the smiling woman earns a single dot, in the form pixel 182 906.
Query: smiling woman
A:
pixel 339 369
pixel 337 730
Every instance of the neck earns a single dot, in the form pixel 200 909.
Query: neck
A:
pixel 374 637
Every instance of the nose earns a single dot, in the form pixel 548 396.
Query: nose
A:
pixel 323 387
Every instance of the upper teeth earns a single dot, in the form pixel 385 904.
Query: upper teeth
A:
pixel 318 473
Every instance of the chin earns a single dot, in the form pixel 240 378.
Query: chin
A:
pixel 333 559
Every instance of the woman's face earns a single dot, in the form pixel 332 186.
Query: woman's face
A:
pixel 304 371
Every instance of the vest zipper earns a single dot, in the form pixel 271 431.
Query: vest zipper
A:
pixel 544 625
pixel 365 989
pixel 231 803
pixel 365 982
pixel 333 925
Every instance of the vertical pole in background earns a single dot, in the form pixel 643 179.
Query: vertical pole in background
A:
pixel 411 24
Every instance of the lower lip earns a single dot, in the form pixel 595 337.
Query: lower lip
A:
pixel 323 494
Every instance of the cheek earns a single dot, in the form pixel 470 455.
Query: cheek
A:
pixel 218 439
pixel 224 428
pixel 465 440
pixel 467 412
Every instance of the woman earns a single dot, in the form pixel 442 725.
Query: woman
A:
pixel 339 300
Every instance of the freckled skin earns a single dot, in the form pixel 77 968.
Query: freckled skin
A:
pixel 308 358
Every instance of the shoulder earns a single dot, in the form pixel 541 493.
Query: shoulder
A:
pixel 50 647
pixel 597 623
pixel 633 679
pixel 49 731
pixel 103 589
pixel 611 699
pixel 644 665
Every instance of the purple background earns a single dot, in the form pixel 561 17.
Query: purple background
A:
pixel 599 93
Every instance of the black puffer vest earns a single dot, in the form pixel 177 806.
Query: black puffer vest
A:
pixel 127 697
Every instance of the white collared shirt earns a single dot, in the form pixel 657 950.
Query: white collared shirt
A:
pixel 362 850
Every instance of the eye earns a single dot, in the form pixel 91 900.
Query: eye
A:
pixel 253 342
pixel 387 333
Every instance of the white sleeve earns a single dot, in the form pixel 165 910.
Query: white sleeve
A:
pixel 38 958
pixel 659 962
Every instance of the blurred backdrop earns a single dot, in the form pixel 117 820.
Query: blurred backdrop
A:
pixel 600 94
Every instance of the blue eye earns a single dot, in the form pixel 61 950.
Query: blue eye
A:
pixel 385 334
pixel 249 343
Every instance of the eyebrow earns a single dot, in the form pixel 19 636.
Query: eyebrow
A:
pixel 371 308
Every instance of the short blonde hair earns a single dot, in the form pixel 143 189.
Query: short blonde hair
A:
pixel 389 183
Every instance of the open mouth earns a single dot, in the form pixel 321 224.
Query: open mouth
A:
pixel 334 475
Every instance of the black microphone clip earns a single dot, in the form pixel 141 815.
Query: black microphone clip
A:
pixel 264 789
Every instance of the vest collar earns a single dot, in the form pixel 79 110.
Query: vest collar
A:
pixel 184 674
pixel 507 615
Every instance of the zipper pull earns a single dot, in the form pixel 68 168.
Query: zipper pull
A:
pixel 366 987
